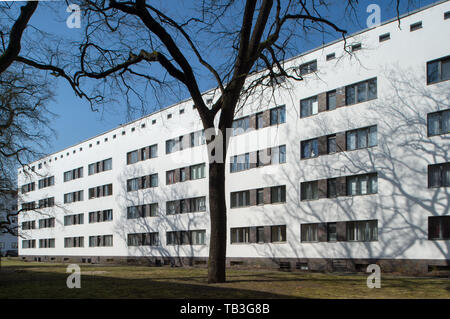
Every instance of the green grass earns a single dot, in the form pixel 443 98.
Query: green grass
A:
pixel 47 280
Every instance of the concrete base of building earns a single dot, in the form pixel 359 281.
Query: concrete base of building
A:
pixel 415 267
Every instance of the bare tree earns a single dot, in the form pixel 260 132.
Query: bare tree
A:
pixel 24 117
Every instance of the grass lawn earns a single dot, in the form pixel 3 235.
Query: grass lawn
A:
pixel 47 280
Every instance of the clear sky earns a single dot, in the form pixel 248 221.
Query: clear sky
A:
pixel 76 121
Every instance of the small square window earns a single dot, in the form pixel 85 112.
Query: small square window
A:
pixel 356 47
pixel 106 139
pixel 56 158
pixel 67 154
pixel 81 149
pixel 74 151
pixel 415 26
pixel 61 156
pixel 143 125
pixel 169 116
pixel 39 166
pixel 153 122
pixel 98 142
pixel 133 129
pixel 90 145
pixel 331 56
pixel 123 132
pixel 182 111
pixel 447 15
pixel 384 37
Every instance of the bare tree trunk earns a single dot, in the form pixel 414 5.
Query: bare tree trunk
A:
pixel 218 217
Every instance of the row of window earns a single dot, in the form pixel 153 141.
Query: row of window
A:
pixel 362 231
pixel 258 234
pixel 344 141
pixel 274 116
pixel 188 205
pixel 362 184
pixel 142 182
pixel 274 155
pixel 100 191
pixel 185 141
pixel 260 196
pixel 46 182
pixel 142 154
pixel 100 166
pixel 366 230
pixel 183 174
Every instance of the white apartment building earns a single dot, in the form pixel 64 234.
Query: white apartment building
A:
pixel 8 208
pixel 358 169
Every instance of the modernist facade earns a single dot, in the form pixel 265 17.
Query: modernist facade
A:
pixel 348 167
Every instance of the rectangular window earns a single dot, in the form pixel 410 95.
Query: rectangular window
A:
pixel 309 190
pixel 356 47
pixel 170 177
pixel 260 196
pixel 101 241
pixel 362 230
pixel 331 100
pixel 76 219
pixel 361 138
pixel 446 15
pixel 331 144
pixel 331 56
pixel 439 175
pixel 240 126
pixel 309 233
pixel 46 182
pixel 197 171
pixel 415 26
pixel 439 228
pixel 278 194
pixel 384 37
pixel 438 122
pixel 198 138
pixel 240 235
pixel 309 106
pixel 310 148
pixel 154 180
pixel 361 92
pixel 331 232
pixel 278 234
pixel 153 151
pixel 240 199
pixel 73 174
pixel 259 120
pixel 331 188
pixel 438 70
pixel 71 242
pixel 308 67
pixel 278 115
pixel 171 146
pixel 47 243
pixel 143 239
pixel 362 184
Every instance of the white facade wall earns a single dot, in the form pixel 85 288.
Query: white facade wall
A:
pixel 401 206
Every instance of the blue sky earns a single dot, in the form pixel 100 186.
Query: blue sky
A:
pixel 76 121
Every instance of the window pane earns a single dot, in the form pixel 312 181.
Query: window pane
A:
pixel 273 117
pixel 331 147
pixel 331 100
pixel 283 154
pixel 445 122
pixel 350 95
pixel 373 136
pixel 351 140
pixel 445 70
pixel 372 93
pixel 433 72
pixel 362 92
pixel 314 148
pixel 362 138
pixel 282 114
